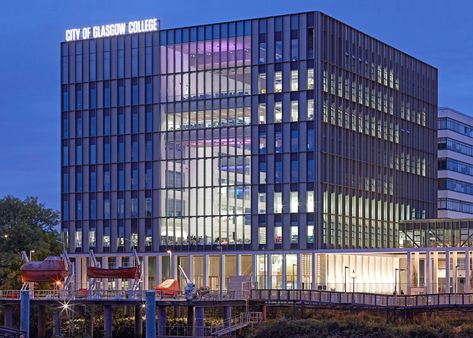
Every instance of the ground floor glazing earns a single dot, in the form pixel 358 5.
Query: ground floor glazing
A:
pixel 408 271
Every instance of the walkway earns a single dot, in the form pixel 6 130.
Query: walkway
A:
pixel 121 297
pixel 361 300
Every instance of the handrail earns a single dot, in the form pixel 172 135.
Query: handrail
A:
pixel 362 299
pixel 237 322
pixel 98 295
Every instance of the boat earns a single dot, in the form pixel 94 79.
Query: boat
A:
pixel 170 287
pixel 51 269
pixel 123 273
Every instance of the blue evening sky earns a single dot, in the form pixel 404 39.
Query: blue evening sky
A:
pixel 437 31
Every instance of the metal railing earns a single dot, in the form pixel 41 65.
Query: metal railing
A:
pixel 138 295
pixel 235 323
pixel 317 297
pixel 6 332
pixel 9 294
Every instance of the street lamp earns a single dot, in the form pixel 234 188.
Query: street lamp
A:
pixel 345 284
pixel 31 252
pixel 397 272
pixel 169 252
pixel 353 277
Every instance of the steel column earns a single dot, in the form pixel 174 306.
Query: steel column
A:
pixel 25 312
pixel 150 314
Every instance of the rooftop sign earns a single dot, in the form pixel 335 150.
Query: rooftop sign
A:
pixel 103 31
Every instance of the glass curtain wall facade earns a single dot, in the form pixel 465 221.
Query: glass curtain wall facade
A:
pixel 290 133
pixel 436 233
pixel 455 169
pixel 377 163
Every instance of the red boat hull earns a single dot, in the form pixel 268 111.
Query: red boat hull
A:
pixel 124 273
pixel 52 269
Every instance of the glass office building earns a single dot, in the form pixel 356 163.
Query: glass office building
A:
pixel 455 156
pixel 243 148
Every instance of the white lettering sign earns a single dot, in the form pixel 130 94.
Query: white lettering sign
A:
pixel 140 26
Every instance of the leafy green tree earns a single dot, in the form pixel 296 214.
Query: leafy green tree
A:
pixel 25 225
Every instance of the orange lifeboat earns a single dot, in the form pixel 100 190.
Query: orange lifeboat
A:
pixel 170 287
pixel 52 269
pixel 124 273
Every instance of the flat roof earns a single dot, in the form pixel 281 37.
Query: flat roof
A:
pixel 457 112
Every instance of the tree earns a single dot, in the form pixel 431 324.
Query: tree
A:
pixel 24 225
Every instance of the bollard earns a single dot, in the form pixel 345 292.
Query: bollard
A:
pixel 25 312
pixel 150 314
pixel 107 321
pixel 199 321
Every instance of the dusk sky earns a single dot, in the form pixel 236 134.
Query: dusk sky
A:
pixel 438 32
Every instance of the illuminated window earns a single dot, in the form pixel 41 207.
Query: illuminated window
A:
pixel 294 80
pixel 294 234
pixel 106 236
pixel 78 238
pixel 120 235
pixel 262 170
pixel 134 239
pixel 261 235
pixel 325 112
pixel 340 86
pixel 149 236
pixel 310 78
pixel 262 83
pixel 277 112
pixel 324 81
pixel 262 203
pixel 92 239
pixel 310 201
pixel 277 202
pixel 262 113
pixel 310 109
pixel 278 82
pixel 278 234
pixel 294 202
pixel 310 234
pixel 294 111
